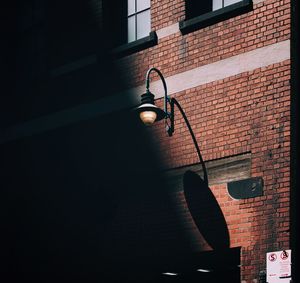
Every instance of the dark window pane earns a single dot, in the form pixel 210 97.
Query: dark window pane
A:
pixel 196 8
pixel 115 21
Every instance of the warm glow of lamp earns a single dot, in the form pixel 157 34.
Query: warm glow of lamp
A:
pixel 148 117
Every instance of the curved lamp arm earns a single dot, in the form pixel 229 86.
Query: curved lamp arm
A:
pixel 170 115
pixel 175 102
pixel 164 84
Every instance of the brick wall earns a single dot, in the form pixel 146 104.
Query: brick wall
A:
pixel 268 23
pixel 247 112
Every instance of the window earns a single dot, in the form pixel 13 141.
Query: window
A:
pixel 127 26
pixel 195 7
pixel 138 19
pixel 200 14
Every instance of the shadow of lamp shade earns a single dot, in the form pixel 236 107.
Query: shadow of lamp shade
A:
pixel 205 211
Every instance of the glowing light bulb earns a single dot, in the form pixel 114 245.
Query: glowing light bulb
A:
pixel 148 117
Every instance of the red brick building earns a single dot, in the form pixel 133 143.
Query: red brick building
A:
pixel 229 67
pixel 89 194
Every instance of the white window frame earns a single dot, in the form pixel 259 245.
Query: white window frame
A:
pixel 134 15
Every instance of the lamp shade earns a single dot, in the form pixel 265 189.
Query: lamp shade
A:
pixel 149 113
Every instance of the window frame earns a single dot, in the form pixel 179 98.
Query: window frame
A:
pixel 118 37
pixel 135 16
pixel 213 17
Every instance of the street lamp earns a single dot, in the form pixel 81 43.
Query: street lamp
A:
pixel 150 113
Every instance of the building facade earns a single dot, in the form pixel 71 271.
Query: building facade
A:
pixel 94 194
pixel 229 67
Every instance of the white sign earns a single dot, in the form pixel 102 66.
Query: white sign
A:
pixel 279 266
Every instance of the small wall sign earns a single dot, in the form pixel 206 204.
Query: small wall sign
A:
pixel 279 266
